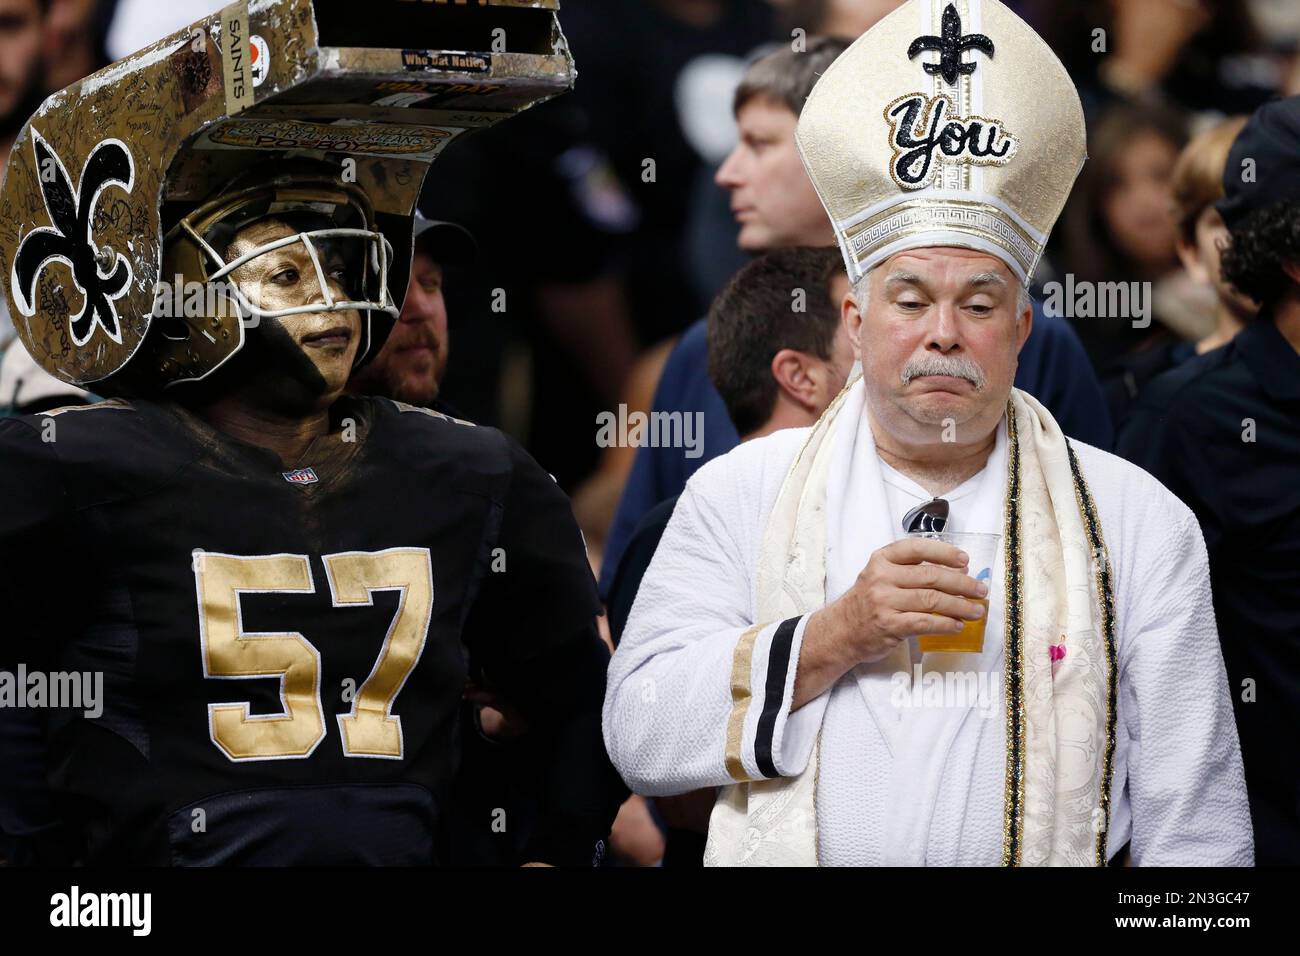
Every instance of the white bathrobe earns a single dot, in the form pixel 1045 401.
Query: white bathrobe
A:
pixel 899 784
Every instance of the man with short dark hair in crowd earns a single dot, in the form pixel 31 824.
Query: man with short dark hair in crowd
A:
pixel 776 206
pixel 777 351
pixel 1222 431
pixel 777 355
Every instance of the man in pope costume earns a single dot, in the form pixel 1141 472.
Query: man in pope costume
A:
pixel 772 649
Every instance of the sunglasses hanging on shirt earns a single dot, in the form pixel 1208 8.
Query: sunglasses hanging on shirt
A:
pixel 931 516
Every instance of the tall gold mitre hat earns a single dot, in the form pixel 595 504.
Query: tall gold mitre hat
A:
pixel 949 123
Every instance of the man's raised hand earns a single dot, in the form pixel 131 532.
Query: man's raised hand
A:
pixel 913 586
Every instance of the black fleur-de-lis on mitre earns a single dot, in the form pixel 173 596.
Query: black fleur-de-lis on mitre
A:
pixel 69 237
pixel 951 45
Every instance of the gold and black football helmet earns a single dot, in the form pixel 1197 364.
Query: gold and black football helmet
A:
pixel 194 336
pixel 313 112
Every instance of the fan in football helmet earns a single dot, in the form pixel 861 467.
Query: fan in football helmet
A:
pixel 332 222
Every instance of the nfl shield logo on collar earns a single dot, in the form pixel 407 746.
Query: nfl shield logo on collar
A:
pixel 301 476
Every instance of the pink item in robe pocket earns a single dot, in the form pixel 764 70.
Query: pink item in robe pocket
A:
pixel 1058 654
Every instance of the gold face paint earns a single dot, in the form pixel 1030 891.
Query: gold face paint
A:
pixel 286 278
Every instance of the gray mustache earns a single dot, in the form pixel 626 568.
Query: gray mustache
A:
pixel 944 365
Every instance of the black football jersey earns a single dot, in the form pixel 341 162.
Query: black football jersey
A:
pixel 283 649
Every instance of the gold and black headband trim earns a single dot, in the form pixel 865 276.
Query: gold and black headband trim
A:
pixel 978 220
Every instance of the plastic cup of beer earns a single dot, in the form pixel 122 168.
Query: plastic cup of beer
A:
pixel 983 551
